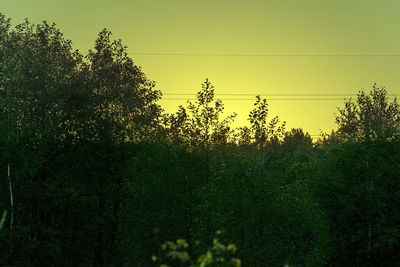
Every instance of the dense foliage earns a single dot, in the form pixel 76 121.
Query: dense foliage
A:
pixel 92 173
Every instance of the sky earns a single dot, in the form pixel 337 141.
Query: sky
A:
pixel 277 48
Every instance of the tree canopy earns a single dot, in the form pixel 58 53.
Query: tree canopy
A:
pixel 51 89
pixel 93 173
pixel 200 122
pixel 371 116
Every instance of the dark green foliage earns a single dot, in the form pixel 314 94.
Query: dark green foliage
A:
pixel 98 180
pixel 273 224
pixel 176 254
pixel 200 123
pixel 64 120
pixel 122 100
pixel 296 137
pixel 370 117
pixel 261 132
pixel 162 182
pixel 357 184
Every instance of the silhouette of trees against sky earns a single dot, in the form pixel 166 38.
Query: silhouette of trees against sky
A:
pixel 261 132
pixel 38 65
pixel 123 99
pixel 53 88
pixel 371 116
pixel 200 122
pixel 95 167
pixel 297 137
pixel 51 98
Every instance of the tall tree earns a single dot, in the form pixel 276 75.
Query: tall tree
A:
pixel 371 116
pixel 68 118
pixel 37 70
pixel 261 132
pixel 200 123
pixel 123 99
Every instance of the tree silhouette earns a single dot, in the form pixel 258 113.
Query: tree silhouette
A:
pixel 261 132
pixel 297 137
pixel 68 119
pixel 369 117
pixel 200 122
pixel 122 98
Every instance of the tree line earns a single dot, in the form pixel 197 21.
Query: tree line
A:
pixel 93 172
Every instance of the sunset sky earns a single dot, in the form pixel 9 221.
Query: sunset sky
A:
pixel 281 47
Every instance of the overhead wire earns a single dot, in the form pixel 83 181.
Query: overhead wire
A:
pixel 261 55
pixel 282 97
pixel 270 99
pixel 276 95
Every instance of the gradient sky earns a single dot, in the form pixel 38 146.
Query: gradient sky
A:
pixel 280 27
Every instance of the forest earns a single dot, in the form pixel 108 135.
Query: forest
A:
pixel 93 172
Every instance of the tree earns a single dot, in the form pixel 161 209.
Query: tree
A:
pixel 37 69
pixel 261 132
pixel 359 199
pixel 68 118
pixel 122 98
pixel 297 137
pixel 199 123
pixel 369 117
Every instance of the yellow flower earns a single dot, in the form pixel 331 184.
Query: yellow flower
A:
pixel 154 258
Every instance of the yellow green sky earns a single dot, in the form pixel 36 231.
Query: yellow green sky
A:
pixel 280 27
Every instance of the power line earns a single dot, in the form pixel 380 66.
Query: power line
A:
pixel 232 96
pixel 264 55
pixel 301 95
pixel 278 94
pixel 271 99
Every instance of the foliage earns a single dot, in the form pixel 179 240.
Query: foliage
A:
pixel 176 254
pixel 52 91
pixel 261 132
pixel 65 120
pixel 199 123
pixel 122 99
pixel 370 117
pixel 259 214
pixel 98 171
pixel 297 137
pixel 360 200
